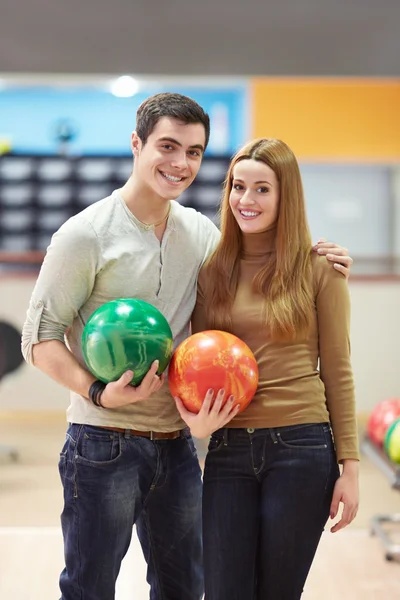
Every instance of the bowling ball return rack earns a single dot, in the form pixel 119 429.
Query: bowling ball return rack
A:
pixel 379 522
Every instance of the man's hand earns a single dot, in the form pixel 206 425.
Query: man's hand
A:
pixel 337 254
pixel 211 416
pixel 120 393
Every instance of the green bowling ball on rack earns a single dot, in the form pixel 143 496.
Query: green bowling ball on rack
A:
pixel 392 442
pixel 126 334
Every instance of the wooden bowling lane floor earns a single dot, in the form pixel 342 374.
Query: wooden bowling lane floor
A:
pixel 349 565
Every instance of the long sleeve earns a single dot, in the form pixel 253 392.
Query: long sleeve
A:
pixel 64 284
pixel 333 313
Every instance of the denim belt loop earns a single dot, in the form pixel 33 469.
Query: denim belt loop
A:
pixel 273 435
pixel 226 436
pixel 127 434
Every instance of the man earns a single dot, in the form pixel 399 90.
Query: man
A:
pixel 128 458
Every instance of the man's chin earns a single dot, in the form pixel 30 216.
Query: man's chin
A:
pixel 176 195
pixel 173 194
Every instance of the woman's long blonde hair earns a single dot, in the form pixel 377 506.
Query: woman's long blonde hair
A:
pixel 285 280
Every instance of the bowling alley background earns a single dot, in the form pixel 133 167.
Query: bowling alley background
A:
pixel 66 145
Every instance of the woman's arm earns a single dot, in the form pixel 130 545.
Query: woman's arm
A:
pixel 333 313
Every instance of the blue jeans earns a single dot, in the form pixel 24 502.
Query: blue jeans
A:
pixel 112 481
pixel 266 499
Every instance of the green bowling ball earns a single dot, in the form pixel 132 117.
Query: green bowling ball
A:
pixel 392 441
pixel 126 334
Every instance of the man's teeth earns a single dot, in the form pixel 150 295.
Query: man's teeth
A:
pixel 248 213
pixel 171 177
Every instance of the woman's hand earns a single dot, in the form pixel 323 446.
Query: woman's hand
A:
pixel 212 415
pixel 345 492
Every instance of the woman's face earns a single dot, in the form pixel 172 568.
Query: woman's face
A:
pixel 254 198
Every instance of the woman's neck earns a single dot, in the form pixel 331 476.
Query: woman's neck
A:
pixel 259 244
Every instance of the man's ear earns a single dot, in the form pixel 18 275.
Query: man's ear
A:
pixel 136 144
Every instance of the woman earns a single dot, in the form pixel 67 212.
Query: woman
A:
pixel 271 477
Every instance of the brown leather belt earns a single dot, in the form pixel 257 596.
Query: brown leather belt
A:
pixel 151 435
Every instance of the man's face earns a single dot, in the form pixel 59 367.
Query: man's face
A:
pixel 171 158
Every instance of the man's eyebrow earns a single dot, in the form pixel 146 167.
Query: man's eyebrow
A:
pixel 173 141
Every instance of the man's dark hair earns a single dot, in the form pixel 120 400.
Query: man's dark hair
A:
pixel 166 104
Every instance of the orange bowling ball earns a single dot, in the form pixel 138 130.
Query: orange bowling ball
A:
pixel 213 359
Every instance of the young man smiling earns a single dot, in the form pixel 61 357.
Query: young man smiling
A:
pixel 128 459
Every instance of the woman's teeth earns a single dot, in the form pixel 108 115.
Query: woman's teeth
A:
pixel 249 213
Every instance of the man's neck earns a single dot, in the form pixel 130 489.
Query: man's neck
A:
pixel 147 206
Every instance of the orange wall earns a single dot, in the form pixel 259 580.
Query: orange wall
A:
pixel 332 119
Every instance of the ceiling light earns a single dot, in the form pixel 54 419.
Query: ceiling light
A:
pixel 124 87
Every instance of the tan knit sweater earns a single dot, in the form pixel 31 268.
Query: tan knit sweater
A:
pixel 308 381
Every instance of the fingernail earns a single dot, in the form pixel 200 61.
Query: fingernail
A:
pixel 210 391
pixel 231 398
pixel 156 362
pixel 331 515
pixel 320 250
